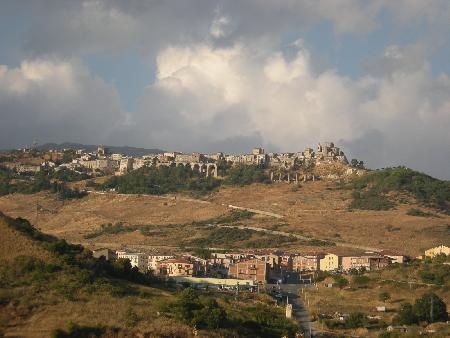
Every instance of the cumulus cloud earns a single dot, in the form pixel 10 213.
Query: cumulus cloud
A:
pixel 55 100
pixel 203 95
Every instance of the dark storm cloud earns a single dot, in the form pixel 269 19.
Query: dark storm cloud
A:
pixel 48 100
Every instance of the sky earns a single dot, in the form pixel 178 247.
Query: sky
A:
pixel 209 76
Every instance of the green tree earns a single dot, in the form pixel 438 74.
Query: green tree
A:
pixel 406 315
pixel 186 304
pixel 211 316
pixel 430 308
pixel 340 281
pixel 68 155
pixel 246 174
pixel 355 319
pixel 354 163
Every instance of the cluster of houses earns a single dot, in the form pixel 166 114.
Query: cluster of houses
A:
pixel 257 266
pixel 102 162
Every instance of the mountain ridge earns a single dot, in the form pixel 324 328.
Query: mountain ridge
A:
pixel 127 150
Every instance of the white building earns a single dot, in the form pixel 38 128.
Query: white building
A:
pixel 137 259
pixel 125 165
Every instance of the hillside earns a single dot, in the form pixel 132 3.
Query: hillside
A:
pixel 52 288
pixel 318 209
pixel 14 244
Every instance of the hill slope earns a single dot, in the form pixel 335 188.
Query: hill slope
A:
pixel 52 288
pixel 15 244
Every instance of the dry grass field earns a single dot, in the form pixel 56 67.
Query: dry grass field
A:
pixel 365 298
pixel 41 291
pixel 314 209
pixel 14 244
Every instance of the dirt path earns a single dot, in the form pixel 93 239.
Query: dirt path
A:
pixel 255 211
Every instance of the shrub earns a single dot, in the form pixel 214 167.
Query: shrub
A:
pixel 435 273
pixel 361 280
pixel 418 213
pixel 161 180
pixel 384 296
pixel 340 281
pixel 426 189
pixel 370 201
pixel 355 320
pixel 405 316
pixel 246 174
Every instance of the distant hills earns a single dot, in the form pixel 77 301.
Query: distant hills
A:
pixel 130 151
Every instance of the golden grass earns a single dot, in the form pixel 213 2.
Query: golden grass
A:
pixel 14 244
pixel 321 299
pixel 316 209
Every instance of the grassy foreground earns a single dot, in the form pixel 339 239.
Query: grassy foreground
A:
pixel 49 287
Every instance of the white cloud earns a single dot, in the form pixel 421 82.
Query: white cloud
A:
pixel 220 26
pixel 218 93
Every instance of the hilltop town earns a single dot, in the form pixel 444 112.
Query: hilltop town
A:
pixel 282 166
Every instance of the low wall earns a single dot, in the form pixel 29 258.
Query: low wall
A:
pixel 213 281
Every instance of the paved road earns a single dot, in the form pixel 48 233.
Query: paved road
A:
pixel 292 291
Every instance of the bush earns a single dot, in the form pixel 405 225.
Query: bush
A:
pixel 246 174
pixel 68 175
pixel 384 296
pixel 405 316
pixel 74 331
pixel 355 320
pixel 361 280
pixel 161 180
pixel 418 213
pixel 205 313
pixel 64 193
pixel 223 236
pixel 435 273
pixel 232 217
pixel 340 281
pixel 426 189
pixel 370 200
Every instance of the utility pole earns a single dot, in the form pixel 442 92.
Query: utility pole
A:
pixel 431 309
